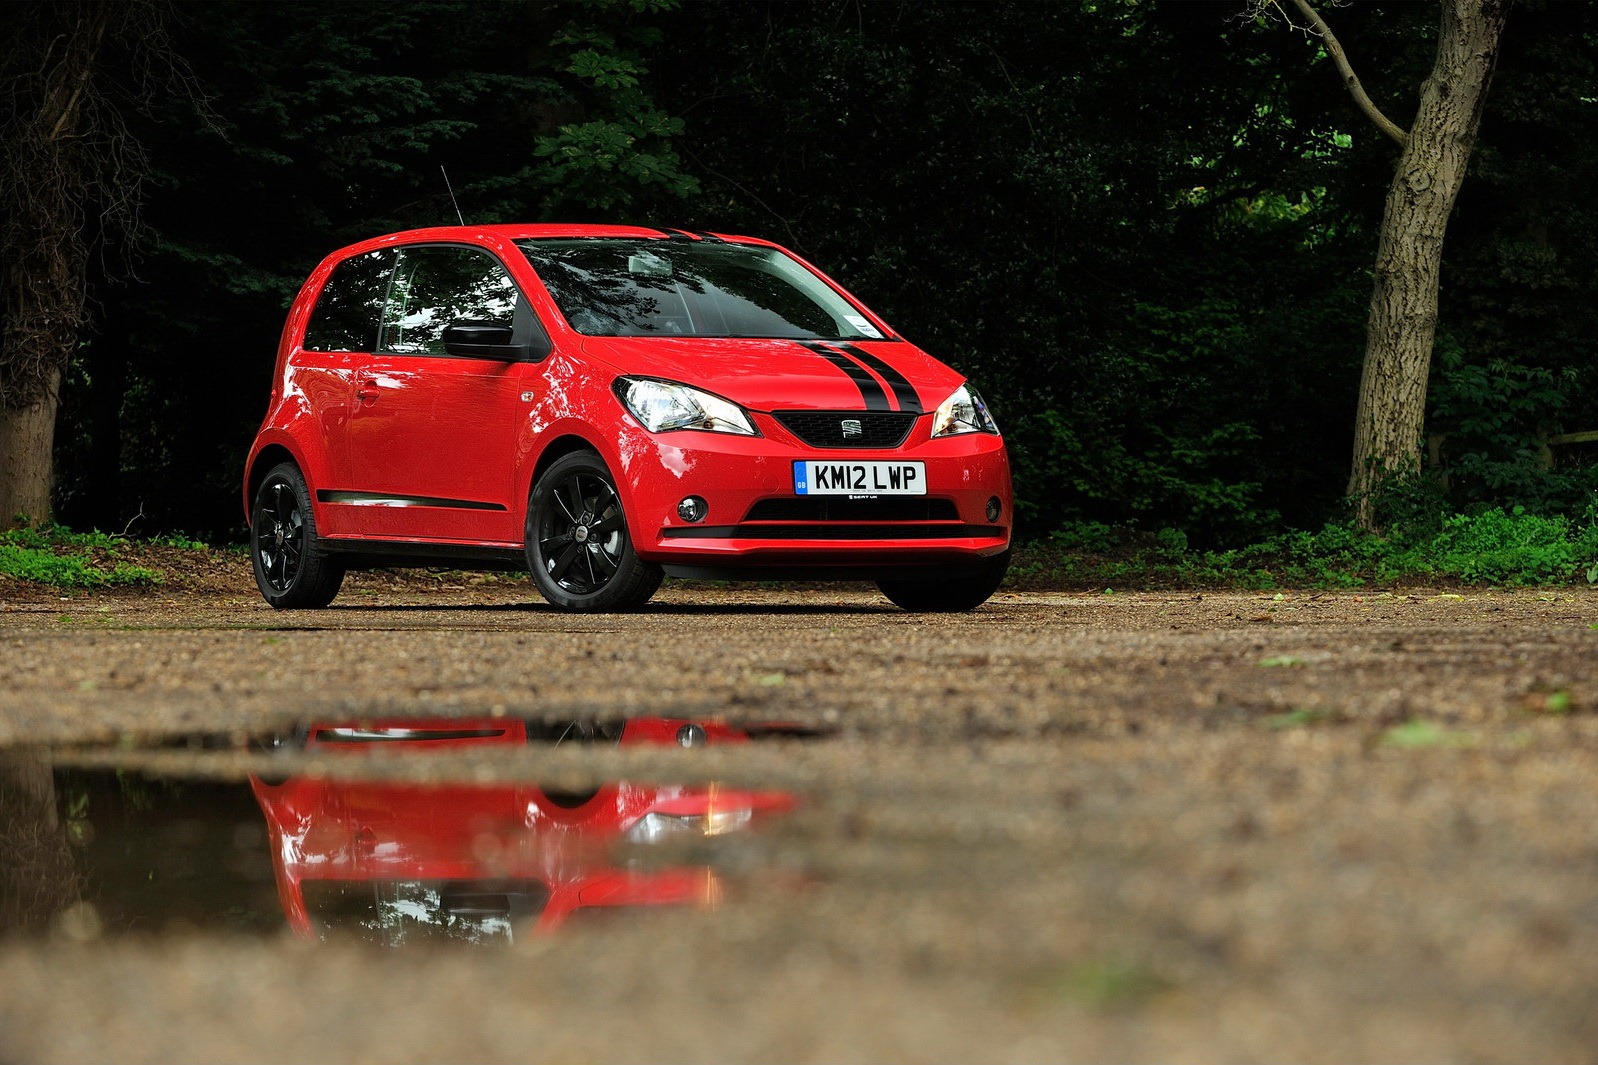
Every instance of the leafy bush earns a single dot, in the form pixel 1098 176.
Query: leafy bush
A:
pixel 1085 536
pixel 57 556
pixel 1493 547
pixel 1511 548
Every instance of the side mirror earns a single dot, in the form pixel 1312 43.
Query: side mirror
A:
pixel 484 340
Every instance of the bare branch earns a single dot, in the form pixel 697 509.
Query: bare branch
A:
pixel 1350 80
pixel 69 110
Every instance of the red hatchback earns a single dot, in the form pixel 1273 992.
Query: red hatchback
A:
pixel 607 405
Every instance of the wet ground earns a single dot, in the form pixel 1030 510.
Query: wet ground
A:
pixel 441 822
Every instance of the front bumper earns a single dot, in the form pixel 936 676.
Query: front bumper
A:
pixel 756 525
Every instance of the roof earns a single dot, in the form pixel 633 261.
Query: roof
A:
pixel 546 230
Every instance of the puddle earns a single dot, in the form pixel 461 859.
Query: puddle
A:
pixel 326 855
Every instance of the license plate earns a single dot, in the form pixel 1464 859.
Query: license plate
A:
pixel 812 478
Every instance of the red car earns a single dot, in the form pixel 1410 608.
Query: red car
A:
pixel 608 405
pixel 396 863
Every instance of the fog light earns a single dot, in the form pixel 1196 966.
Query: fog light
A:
pixel 994 509
pixel 692 736
pixel 693 509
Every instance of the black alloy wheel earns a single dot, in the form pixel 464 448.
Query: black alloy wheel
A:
pixel 290 568
pixel 577 544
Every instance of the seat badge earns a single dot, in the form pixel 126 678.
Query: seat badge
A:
pixel 850 427
pixel 527 397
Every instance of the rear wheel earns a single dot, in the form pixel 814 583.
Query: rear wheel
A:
pixel 290 568
pixel 577 544
pixel 961 591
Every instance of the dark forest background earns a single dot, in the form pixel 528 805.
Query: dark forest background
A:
pixel 1143 230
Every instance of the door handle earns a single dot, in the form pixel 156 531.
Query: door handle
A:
pixel 366 389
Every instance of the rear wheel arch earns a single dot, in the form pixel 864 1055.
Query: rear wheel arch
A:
pixel 291 567
pixel 265 460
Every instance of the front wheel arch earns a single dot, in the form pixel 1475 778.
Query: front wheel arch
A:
pixel 576 537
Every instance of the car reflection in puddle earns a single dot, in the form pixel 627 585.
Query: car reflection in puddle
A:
pixel 397 863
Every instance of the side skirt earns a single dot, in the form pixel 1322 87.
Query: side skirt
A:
pixel 869 572
pixel 395 554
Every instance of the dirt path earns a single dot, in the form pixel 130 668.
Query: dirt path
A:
pixel 1141 827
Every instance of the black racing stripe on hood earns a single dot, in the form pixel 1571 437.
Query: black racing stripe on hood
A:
pixel 872 393
pixel 903 390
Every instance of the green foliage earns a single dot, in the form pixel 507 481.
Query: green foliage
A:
pixel 181 542
pixel 1299 717
pixel 57 556
pixel 599 161
pixel 1112 281
pixel 1557 702
pixel 1092 536
pixel 1489 416
pixel 1110 982
pixel 1160 284
pixel 1494 547
pixel 1514 352
pixel 1420 734
pixel 1512 548
pixel 1413 506
pixel 624 148
pixel 48 537
pixel 329 125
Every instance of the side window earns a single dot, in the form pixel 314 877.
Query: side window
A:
pixel 347 312
pixel 437 285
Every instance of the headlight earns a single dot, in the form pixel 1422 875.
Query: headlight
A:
pixel 661 406
pixel 654 827
pixel 963 412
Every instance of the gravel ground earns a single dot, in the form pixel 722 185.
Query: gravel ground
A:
pixel 1163 826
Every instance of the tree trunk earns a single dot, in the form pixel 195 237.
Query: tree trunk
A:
pixel 1403 318
pixel 38 878
pixel 47 175
pixel 26 436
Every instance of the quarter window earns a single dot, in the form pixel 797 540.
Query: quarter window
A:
pixel 436 285
pixel 351 304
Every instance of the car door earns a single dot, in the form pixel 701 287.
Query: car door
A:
pixel 340 337
pixel 432 435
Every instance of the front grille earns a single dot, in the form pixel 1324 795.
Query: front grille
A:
pixel 839 508
pixel 866 429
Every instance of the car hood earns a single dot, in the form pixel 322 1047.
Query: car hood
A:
pixel 767 374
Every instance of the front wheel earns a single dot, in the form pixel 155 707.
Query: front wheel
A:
pixel 290 568
pixel 577 544
pixel 965 590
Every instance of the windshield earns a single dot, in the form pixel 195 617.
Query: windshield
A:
pixel 625 288
pixel 395 913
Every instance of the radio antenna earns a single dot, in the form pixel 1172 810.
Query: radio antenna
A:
pixel 451 189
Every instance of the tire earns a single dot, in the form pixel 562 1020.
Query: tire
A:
pixel 290 566
pixel 965 590
pixel 578 549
